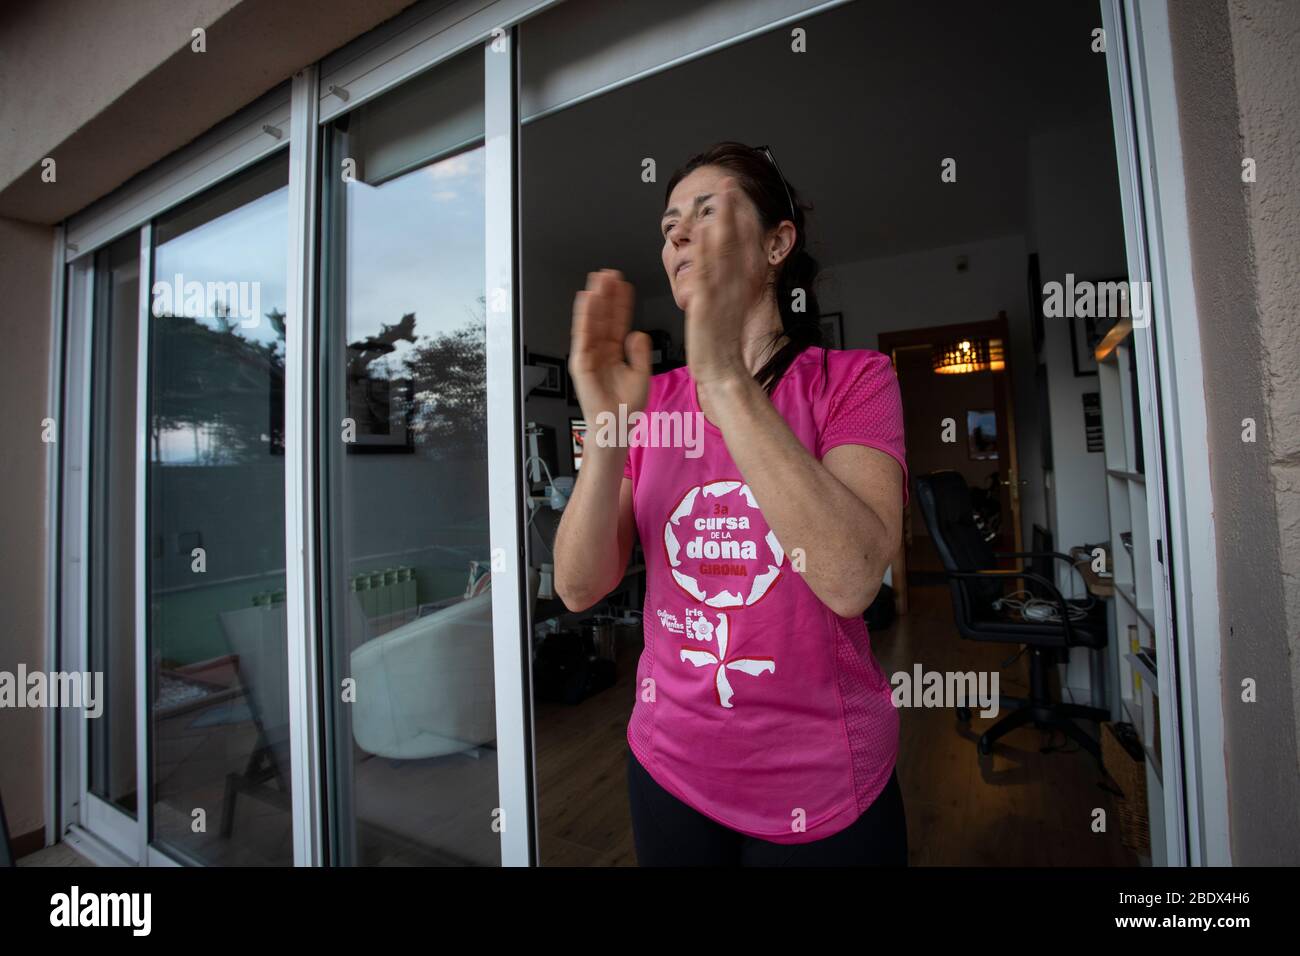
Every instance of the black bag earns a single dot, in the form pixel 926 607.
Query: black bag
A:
pixel 567 670
pixel 880 615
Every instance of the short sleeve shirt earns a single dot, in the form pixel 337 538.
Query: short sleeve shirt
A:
pixel 755 703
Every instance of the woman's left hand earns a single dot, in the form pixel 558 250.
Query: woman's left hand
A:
pixel 722 294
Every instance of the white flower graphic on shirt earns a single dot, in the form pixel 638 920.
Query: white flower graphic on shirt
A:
pixel 701 629
pixel 753 666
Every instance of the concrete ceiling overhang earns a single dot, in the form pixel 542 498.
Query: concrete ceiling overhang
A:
pixel 149 92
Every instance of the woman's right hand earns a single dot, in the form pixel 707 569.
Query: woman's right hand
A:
pixel 609 364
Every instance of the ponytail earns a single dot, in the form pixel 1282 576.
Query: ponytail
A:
pixel 801 329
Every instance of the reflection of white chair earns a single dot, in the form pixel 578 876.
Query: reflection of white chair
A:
pixel 426 688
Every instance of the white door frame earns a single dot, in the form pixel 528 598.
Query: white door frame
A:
pixel 302 630
pixel 101 830
pixel 512 659
pixel 1174 426
pixel 56 377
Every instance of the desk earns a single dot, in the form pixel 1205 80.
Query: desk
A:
pixel 548 608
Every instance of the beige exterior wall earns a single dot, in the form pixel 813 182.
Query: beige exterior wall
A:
pixel 26 266
pixel 1237 84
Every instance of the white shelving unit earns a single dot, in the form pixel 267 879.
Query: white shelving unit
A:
pixel 1134 658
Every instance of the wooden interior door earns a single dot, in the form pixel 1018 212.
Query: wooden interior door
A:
pixel 1004 409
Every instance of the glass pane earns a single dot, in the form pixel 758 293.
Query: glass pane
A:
pixel 409 646
pixel 219 694
pixel 111 753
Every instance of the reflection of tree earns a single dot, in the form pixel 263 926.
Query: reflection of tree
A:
pixel 449 372
pixel 211 380
pixel 364 351
pixel 445 406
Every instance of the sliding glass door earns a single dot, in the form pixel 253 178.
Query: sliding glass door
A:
pixel 314 345
pixel 405 475
pixel 98 520
pixel 111 758
pixel 218 683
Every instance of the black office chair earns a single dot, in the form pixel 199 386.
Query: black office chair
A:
pixel 977 587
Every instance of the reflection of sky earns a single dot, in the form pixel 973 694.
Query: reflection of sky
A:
pixel 248 244
pixel 415 244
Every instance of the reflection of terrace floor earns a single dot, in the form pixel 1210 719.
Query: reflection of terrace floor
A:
pixel 59 855
pixel 410 812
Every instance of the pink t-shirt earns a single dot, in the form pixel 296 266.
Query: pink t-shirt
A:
pixel 756 704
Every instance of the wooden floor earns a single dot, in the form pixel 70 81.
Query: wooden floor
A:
pixel 1019 807
pixel 583 817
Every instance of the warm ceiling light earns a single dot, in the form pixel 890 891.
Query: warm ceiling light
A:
pixel 968 355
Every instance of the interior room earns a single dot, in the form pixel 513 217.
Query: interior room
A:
pixel 976 162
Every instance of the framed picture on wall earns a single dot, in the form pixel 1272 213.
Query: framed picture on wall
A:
pixel 982 435
pixel 833 330
pixel 1086 332
pixel 553 386
pixel 569 390
pixel 380 410
pixel 1092 428
pixel 577 440
pixel 1083 331
pixel 1044 419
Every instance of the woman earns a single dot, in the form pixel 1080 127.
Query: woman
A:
pixel 763 731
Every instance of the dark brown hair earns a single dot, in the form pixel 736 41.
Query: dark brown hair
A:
pixel 766 189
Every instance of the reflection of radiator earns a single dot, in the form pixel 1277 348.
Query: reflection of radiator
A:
pixel 388 598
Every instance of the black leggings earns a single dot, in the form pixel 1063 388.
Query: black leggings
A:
pixel 667 832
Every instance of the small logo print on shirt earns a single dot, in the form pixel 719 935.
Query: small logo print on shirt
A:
pixel 721 664
pixel 669 621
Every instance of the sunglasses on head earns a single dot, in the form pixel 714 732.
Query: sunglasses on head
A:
pixel 767 151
